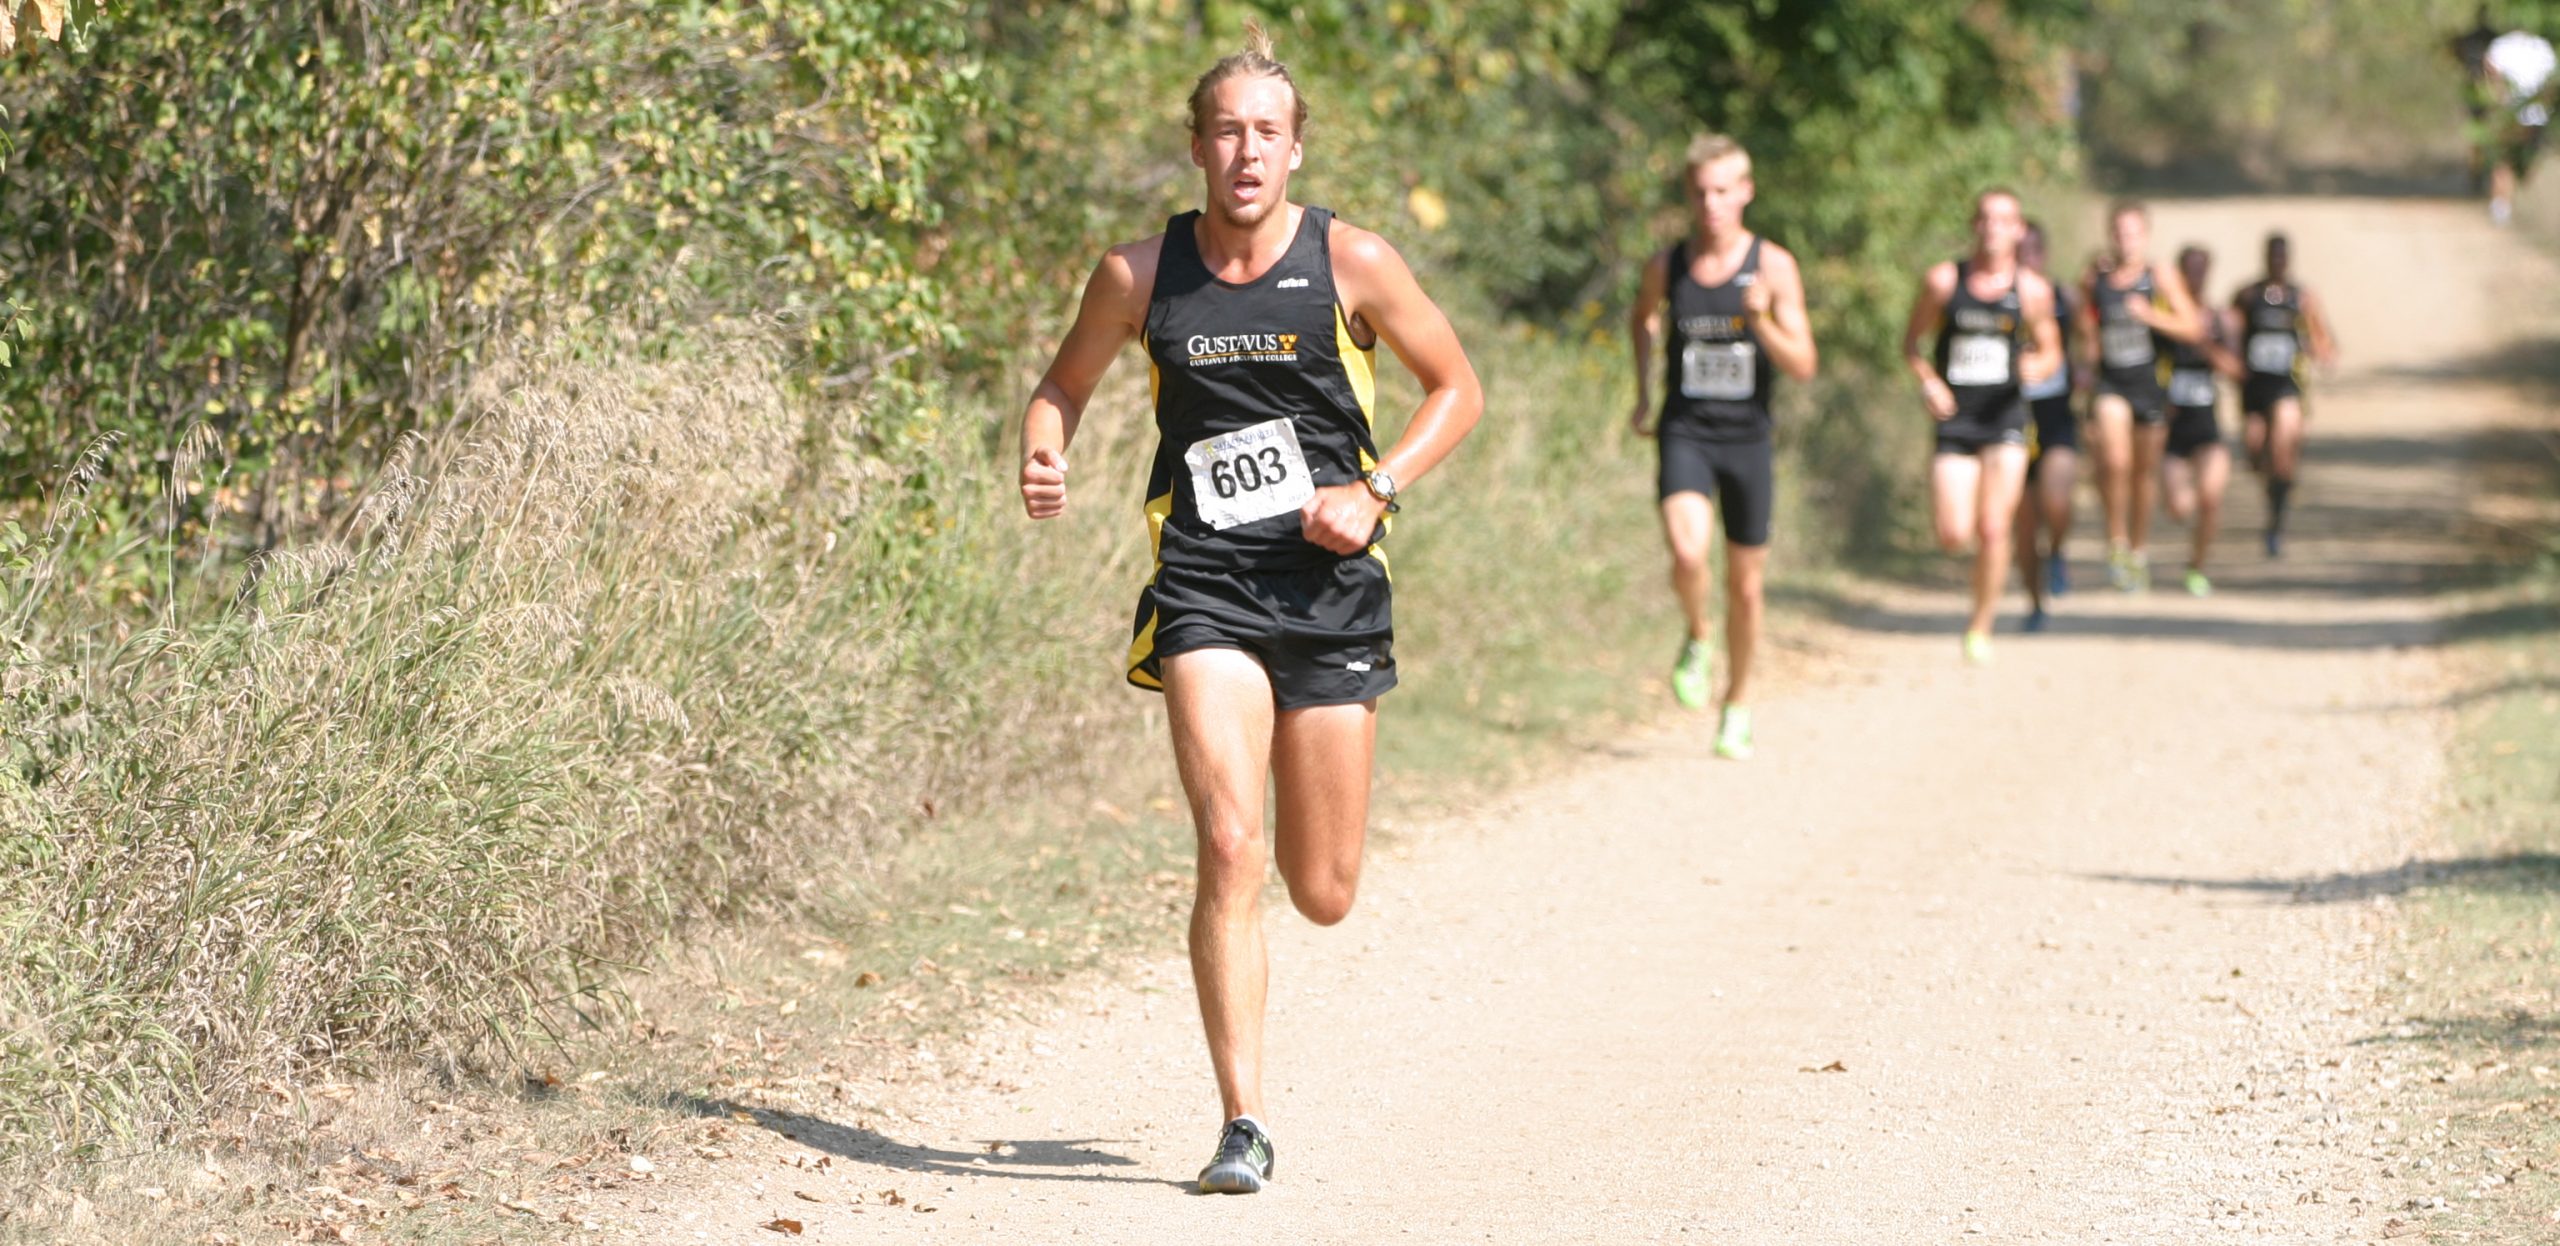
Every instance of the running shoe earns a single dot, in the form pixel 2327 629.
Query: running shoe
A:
pixel 2057 574
pixel 2037 619
pixel 2275 543
pixel 2138 572
pixel 1733 734
pixel 1690 675
pixel 1243 1162
pixel 2197 584
pixel 1977 648
pixel 2120 568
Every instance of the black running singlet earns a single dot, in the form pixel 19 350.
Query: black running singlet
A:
pixel 2191 380
pixel 2126 351
pixel 1978 346
pixel 2057 384
pixel 1262 396
pixel 1716 380
pixel 2271 337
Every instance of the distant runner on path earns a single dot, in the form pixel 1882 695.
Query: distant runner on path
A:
pixel 2130 310
pixel 1991 328
pixel 2198 464
pixel 1737 318
pixel 2519 66
pixel 1266 624
pixel 2280 323
pixel 2044 512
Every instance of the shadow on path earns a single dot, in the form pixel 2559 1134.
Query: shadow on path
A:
pixel 2510 872
pixel 1043 1160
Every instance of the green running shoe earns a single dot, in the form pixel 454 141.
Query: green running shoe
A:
pixel 2120 568
pixel 2197 584
pixel 1977 648
pixel 1690 675
pixel 1733 734
pixel 2137 568
pixel 1243 1162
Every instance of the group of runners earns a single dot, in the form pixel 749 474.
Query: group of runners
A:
pixel 1266 623
pixel 2000 352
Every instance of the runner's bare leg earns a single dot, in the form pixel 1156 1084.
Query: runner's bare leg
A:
pixel 1219 702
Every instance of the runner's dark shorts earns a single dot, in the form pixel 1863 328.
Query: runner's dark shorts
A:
pixel 1738 475
pixel 2057 428
pixel 2260 394
pixel 1325 633
pixel 2191 429
pixel 1976 427
pixel 2140 388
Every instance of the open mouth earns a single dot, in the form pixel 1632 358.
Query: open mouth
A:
pixel 1246 188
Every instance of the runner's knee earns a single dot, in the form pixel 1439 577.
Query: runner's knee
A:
pixel 1231 855
pixel 1326 898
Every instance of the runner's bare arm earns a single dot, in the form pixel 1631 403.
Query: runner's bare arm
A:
pixel 1114 310
pixel 2315 321
pixel 2224 360
pixel 1644 323
pixel 1927 309
pixel 2180 320
pixel 2035 303
pixel 2085 312
pixel 1776 307
pixel 1379 292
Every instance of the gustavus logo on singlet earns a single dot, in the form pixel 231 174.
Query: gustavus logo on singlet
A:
pixel 1207 350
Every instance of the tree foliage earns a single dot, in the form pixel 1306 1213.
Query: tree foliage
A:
pixel 298 219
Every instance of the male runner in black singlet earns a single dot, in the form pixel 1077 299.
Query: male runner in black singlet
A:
pixel 1993 329
pixel 2044 511
pixel 2128 306
pixel 2280 322
pixel 2198 465
pixel 1266 624
pixel 1737 316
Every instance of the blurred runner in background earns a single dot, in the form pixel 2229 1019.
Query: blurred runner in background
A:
pixel 2519 65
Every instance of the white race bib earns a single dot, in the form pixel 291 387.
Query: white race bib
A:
pixel 2124 344
pixel 1249 474
pixel 2190 388
pixel 1978 359
pixel 2271 353
pixel 1718 370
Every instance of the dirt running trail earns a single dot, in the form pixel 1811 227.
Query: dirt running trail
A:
pixel 2069 949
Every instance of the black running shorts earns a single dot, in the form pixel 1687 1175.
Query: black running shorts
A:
pixel 1738 475
pixel 1324 633
pixel 2260 393
pixel 2140 390
pixel 1972 432
pixel 2056 427
pixel 2191 429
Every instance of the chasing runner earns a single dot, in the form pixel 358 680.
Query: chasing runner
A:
pixel 2044 512
pixel 1981 310
pixel 1266 624
pixel 2127 307
pixel 2198 465
pixel 2280 323
pixel 1737 316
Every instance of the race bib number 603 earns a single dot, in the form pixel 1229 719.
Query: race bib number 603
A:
pixel 1249 474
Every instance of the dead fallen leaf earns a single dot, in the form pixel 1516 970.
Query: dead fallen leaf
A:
pixel 866 979
pixel 780 1225
pixel 1833 1067
pixel 806 1197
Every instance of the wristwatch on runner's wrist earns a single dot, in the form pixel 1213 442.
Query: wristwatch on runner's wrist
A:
pixel 1381 486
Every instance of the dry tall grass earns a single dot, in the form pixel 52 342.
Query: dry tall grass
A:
pixel 649 644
